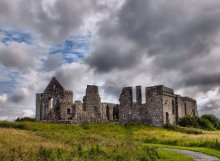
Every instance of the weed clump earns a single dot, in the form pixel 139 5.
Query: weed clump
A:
pixel 149 154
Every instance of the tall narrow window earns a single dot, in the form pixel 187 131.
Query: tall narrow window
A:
pixel 115 113
pixel 107 112
pixel 96 109
pixel 68 111
pixel 194 113
pixel 185 108
pixel 167 118
pixel 51 103
pixel 173 107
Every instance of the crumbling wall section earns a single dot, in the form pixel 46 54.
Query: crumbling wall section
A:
pixel 130 111
pixel 126 103
pixel 110 112
pixel 169 109
pixel 65 105
pixel 138 95
pixel 55 103
pixel 191 106
pixel 79 116
pixel 38 106
pixel 180 107
pixel 92 104
pixel 153 109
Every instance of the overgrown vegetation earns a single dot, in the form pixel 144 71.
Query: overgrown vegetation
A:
pixel 183 129
pixel 25 119
pixel 213 119
pixel 105 141
pixel 207 122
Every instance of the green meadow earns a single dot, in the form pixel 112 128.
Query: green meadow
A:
pixel 32 141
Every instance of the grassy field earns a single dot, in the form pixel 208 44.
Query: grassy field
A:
pixel 107 141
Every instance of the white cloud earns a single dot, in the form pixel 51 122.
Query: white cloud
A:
pixel 17 55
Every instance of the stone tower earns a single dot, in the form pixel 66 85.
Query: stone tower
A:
pixel 92 103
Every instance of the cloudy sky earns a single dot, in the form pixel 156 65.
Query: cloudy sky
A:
pixel 111 44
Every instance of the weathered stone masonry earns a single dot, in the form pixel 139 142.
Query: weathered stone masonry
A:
pixel 55 104
pixel 161 106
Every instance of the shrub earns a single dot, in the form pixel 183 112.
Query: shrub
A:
pixel 213 119
pixel 196 122
pixel 189 121
pixel 205 124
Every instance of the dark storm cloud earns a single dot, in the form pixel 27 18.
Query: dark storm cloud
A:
pixel 210 106
pixel 112 88
pixel 203 79
pixel 109 57
pixel 170 33
pixel 179 38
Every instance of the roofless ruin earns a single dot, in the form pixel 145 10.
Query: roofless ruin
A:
pixel 162 106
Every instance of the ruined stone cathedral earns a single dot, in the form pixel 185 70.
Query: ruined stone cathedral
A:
pixel 161 106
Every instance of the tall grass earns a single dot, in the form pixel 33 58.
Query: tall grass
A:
pixel 104 141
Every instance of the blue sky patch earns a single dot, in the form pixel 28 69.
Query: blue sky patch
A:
pixel 73 48
pixel 15 35
pixel 8 87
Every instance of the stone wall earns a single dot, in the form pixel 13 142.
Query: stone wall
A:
pixel 65 105
pixel 154 106
pixel 138 95
pixel 55 103
pixel 92 104
pixel 126 104
pixel 169 109
pixel 191 106
pixel 162 106
pixel 110 112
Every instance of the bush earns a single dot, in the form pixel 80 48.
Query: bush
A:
pixel 189 121
pixel 213 119
pixel 205 124
pixel 196 122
